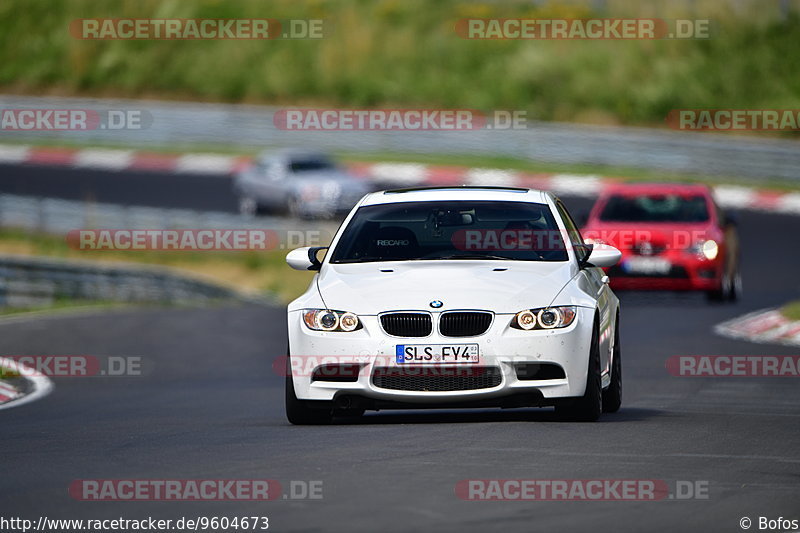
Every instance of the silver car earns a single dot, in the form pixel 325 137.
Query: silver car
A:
pixel 302 183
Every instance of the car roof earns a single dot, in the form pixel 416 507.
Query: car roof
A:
pixel 432 194
pixel 630 189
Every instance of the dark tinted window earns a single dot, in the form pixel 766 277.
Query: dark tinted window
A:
pixel 310 165
pixel 451 230
pixel 655 208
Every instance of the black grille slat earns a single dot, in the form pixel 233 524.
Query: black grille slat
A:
pixel 436 379
pixel 464 323
pixel 407 324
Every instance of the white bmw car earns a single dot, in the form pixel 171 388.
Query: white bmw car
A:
pixel 454 297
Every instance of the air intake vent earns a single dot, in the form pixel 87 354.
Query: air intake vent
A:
pixel 539 371
pixel 464 323
pixel 407 324
pixel 437 379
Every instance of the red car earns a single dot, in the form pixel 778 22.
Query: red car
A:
pixel 672 237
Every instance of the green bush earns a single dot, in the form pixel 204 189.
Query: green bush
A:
pixel 406 52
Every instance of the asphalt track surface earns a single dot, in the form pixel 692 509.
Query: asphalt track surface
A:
pixel 211 407
pixel 143 188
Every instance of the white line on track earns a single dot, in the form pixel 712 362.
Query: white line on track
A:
pixel 491 176
pixel 407 173
pixel 10 153
pixel 205 164
pixel 104 159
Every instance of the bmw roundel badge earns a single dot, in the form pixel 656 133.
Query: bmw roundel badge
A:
pixel 436 304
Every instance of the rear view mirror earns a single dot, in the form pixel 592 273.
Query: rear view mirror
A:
pixel 453 218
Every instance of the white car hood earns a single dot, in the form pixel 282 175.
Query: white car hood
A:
pixel 499 286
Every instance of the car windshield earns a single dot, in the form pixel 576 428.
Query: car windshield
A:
pixel 412 231
pixel 655 208
pixel 310 165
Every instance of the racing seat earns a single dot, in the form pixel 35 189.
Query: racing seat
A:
pixel 394 242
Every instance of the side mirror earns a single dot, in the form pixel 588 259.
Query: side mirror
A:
pixel 305 258
pixel 604 255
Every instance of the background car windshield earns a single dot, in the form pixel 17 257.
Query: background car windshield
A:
pixel 451 230
pixel 655 208
pixel 310 165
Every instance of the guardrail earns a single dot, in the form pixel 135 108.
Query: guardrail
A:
pixel 35 281
pixel 182 124
pixel 58 217
pixel 32 281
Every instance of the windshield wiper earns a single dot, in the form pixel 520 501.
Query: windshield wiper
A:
pixel 365 259
pixel 372 259
pixel 474 256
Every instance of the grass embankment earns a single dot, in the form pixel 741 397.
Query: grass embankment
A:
pixel 60 304
pixel 406 53
pixel 9 372
pixel 791 310
pixel 250 271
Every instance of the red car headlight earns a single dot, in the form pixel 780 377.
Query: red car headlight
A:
pixel 708 249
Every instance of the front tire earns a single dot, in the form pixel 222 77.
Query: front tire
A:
pixel 588 407
pixel 248 206
pixel 736 287
pixel 298 412
pixel 720 294
pixel 730 288
pixel 294 207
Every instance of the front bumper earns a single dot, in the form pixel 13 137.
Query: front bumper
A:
pixel 685 274
pixel 502 349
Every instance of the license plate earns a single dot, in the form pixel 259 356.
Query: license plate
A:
pixel 647 265
pixel 436 354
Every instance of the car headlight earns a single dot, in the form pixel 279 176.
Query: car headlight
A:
pixel 705 249
pixel 328 320
pixel 544 318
